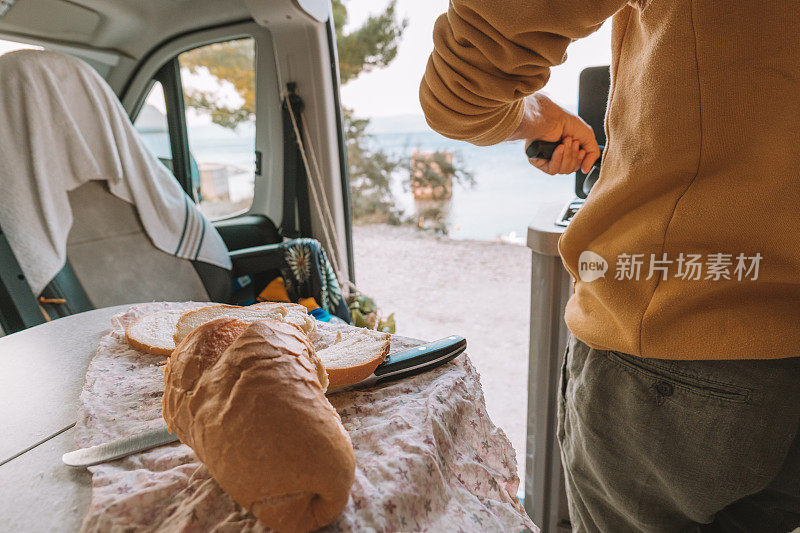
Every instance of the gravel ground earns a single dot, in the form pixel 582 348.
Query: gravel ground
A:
pixel 438 286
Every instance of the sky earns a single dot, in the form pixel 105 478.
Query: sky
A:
pixel 398 84
pixel 394 90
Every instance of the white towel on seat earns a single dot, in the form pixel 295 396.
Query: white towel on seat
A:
pixel 61 126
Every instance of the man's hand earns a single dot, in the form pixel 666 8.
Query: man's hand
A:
pixel 543 120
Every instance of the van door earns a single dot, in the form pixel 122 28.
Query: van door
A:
pixel 211 106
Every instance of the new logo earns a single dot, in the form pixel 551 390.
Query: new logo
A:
pixel 591 266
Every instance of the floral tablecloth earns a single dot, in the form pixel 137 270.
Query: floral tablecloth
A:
pixel 428 456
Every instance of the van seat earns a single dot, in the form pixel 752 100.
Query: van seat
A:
pixel 114 259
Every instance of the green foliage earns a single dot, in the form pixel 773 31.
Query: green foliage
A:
pixel 372 45
pixel 388 324
pixel 232 62
pixel 370 175
pixel 431 176
pixel 364 312
pixel 227 117
pixel 439 171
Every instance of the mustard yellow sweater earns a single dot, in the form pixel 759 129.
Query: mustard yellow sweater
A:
pixel 702 159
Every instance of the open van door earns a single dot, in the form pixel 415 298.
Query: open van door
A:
pixel 276 180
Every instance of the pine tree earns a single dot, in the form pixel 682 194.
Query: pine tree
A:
pixel 370 46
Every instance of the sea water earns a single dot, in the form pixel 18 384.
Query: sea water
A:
pixel 499 206
pixel 507 187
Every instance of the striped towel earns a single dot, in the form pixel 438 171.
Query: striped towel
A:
pixel 61 126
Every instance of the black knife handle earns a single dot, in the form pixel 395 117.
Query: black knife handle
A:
pixel 420 358
pixel 541 149
pixel 545 149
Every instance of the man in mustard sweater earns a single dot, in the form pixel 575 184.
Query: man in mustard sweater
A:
pixel 680 397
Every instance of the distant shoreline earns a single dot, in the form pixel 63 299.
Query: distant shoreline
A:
pixel 511 239
pixel 507 191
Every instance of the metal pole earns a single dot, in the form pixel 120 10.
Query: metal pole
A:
pixel 545 497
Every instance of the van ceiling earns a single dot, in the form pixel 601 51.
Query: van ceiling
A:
pixel 131 27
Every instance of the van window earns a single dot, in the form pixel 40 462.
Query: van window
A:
pixel 151 123
pixel 219 96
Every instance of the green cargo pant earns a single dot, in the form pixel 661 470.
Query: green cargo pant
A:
pixel 666 445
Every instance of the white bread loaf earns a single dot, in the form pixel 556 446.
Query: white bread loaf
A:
pixel 354 355
pixel 156 333
pixel 284 312
pixel 153 333
pixel 249 400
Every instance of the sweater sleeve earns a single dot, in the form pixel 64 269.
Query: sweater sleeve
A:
pixel 489 55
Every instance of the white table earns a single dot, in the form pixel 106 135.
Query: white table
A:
pixel 41 376
pixel 42 372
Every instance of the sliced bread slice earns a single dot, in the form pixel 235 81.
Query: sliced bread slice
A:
pixel 153 333
pixel 283 312
pixel 354 355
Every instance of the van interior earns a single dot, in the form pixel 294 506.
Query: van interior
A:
pixel 290 187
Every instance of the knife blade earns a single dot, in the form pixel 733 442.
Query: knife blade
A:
pixel 398 365
pixel 117 449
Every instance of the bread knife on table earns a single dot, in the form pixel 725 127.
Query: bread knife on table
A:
pixel 398 365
